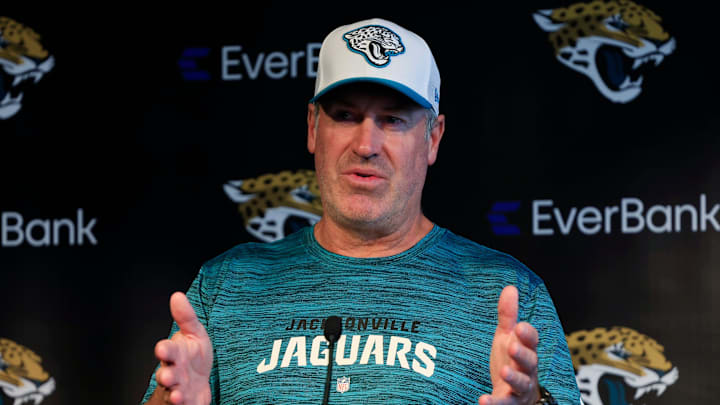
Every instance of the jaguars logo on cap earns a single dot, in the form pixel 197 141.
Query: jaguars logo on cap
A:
pixel 376 43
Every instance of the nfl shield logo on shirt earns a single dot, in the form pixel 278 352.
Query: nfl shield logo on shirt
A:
pixel 343 384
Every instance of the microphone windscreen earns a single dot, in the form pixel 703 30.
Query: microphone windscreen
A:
pixel 333 328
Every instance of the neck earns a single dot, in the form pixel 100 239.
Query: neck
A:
pixel 357 241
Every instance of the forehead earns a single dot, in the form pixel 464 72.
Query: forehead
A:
pixel 365 94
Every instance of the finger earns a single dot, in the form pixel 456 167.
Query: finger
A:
pixel 176 397
pixel 521 383
pixel 525 358
pixel 184 315
pixel 165 376
pixel 527 334
pixel 484 400
pixel 166 350
pixel 496 400
pixel 508 308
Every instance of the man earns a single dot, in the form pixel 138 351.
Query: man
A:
pixel 423 314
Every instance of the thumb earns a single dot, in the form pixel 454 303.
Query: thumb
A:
pixel 508 308
pixel 184 315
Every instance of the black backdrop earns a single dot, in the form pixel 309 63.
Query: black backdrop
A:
pixel 118 130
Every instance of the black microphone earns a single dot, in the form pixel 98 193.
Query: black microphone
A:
pixel 333 330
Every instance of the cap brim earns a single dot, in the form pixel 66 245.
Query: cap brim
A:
pixel 407 91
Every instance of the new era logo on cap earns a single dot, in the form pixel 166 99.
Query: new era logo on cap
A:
pixel 376 43
pixel 382 52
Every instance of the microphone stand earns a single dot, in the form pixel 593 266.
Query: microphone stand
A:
pixel 328 377
pixel 333 330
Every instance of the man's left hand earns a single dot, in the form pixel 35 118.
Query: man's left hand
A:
pixel 513 357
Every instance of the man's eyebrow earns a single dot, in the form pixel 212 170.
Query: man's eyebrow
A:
pixel 399 105
pixel 342 103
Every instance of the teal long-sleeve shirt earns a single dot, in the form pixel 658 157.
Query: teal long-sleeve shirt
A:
pixel 417 326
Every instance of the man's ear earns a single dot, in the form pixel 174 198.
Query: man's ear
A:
pixel 435 136
pixel 311 127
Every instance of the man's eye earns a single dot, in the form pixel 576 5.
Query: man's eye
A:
pixel 394 120
pixel 342 116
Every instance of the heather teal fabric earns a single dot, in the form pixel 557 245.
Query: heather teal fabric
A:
pixel 417 326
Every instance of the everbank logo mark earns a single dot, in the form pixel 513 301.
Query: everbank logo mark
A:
pixel 630 216
pixel 236 64
pixel 633 218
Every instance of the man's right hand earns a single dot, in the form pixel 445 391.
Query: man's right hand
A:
pixel 185 359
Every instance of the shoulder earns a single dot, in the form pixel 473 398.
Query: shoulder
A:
pixel 477 260
pixel 254 256
pixel 487 271
pixel 473 253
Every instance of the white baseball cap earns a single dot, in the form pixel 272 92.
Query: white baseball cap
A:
pixel 382 52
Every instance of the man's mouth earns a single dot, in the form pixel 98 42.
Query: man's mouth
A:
pixel 364 177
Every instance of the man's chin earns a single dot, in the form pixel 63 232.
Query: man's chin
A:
pixel 361 215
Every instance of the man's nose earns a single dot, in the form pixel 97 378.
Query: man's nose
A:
pixel 368 139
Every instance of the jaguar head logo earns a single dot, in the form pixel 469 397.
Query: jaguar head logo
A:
pixel 23 62
pixel 614 43
pixel 619 366
pixel 276 205
pixel 22 378
pixel 376 43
